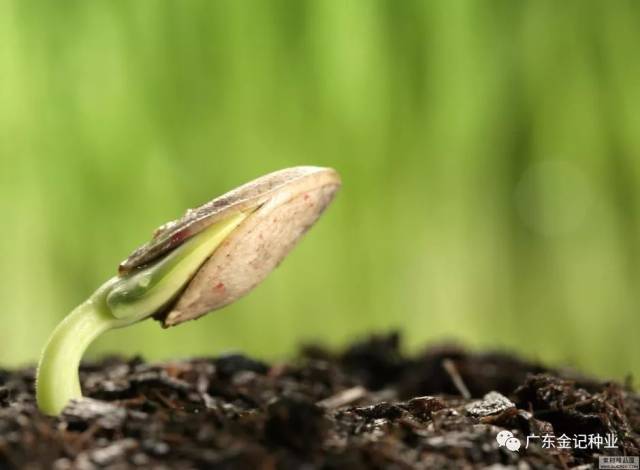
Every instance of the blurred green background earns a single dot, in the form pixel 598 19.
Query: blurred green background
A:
pixel 490 153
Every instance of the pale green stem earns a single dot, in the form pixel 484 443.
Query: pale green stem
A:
pixel 57 378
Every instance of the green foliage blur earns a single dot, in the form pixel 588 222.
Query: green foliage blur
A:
pixel 490 153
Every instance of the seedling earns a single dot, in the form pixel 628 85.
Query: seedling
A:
pixel 201 262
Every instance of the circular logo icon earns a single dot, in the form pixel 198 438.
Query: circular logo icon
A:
pixel 502 437
pixel 506 439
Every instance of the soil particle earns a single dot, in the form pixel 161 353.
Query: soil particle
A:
pixel 368 407
pixel 491 403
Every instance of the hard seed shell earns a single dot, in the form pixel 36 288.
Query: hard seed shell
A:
pixel 246 197
pixel 284 205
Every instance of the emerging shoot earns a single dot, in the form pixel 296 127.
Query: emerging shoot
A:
pixel 199 263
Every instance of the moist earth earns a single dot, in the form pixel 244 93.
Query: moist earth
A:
pixel 369 406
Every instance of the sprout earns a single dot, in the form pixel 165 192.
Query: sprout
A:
pixel 199 263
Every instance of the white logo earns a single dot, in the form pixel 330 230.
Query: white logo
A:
pixel 506 439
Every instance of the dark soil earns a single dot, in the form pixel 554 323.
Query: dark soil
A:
pixel 367 407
